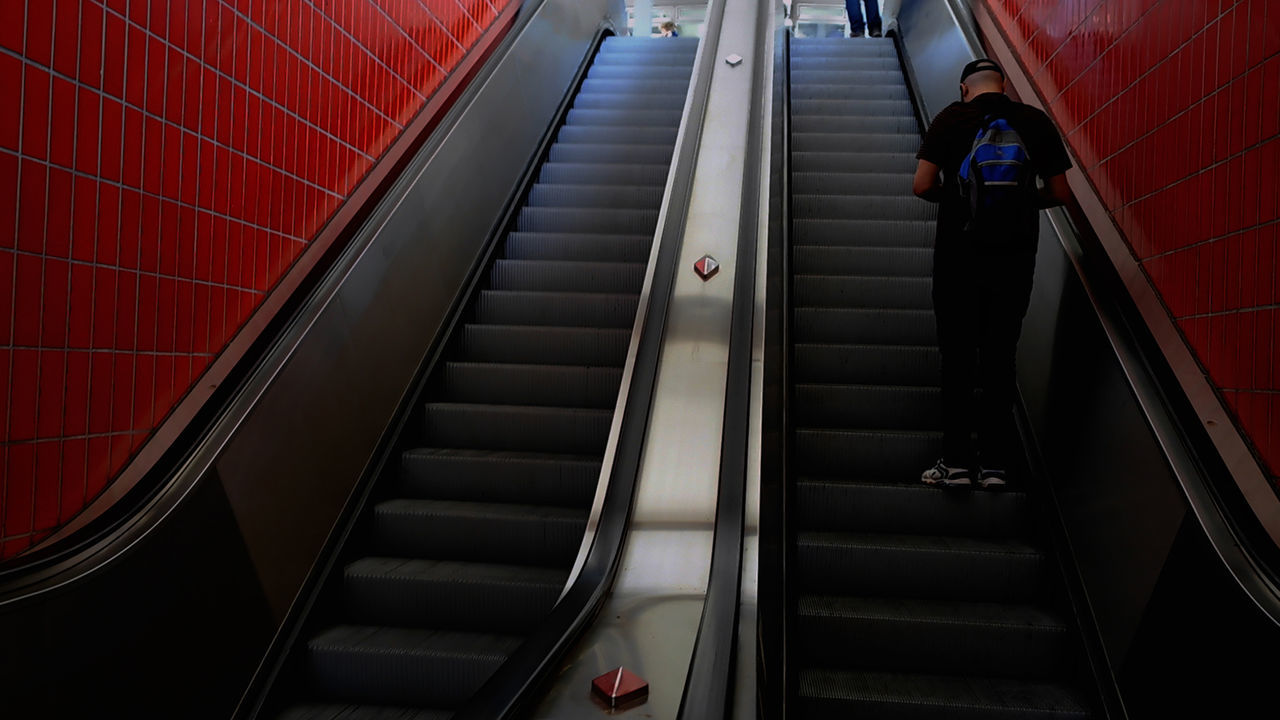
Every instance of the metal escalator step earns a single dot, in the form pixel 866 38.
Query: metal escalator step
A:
pixel 578 247
pixel 881 407
pixel 632 87
pixel 847 291
pixel 866 364
pixel 341 711
pixel 856 124
pixel 499 477
pixel 605 153
pixel 476 532
pixel 574 220
pixel 575 431
pixel 855 142
pixel 869 455
pixel 501 307
pixel 919 566
pixel 834 693
pixel 814 76
pixel 628 101
pixel 404 666
pixel 649 118
pixel 622 72
pixel 445 595
pixel 802 107
pixel 886 261
pixel 842 207
pixel 545 345
pixel 845 63
pixel 860 326
pixel 891 234
pixel 561 276
pixel 603 174
pixel 606 197
pixel 642 60
pixel 634 135
pixel 930 636
pixel 865 184
pixel 850 92
pixel 852 162
pixel 908 507
pixel 844 47
pixel 549 385
pixel 686 45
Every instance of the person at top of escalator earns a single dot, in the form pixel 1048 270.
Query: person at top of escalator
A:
pixel 858 26
pixel 669 29
pixel 980 161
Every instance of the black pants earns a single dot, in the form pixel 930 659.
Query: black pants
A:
pixel 979 301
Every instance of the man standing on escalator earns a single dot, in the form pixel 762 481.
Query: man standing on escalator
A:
pixel 983 260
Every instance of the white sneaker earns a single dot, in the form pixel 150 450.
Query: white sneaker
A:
pixel 946 476
pixel 990 479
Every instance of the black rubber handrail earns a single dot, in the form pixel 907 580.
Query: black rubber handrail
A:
pixel 513 687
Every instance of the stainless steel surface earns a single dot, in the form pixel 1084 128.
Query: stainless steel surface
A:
pixel 936 49
pixel 651 620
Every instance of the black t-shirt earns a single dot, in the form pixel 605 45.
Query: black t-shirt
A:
pixel 950 138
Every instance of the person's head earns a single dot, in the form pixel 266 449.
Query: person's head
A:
pixel 668 28
pixel 980 76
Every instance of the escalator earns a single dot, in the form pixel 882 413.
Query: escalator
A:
pixel 906 601
pixel 466 542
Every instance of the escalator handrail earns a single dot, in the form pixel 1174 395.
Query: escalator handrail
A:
pixel 512 688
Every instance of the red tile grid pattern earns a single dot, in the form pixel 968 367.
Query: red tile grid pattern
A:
pixel 1173 108
pixel 162 164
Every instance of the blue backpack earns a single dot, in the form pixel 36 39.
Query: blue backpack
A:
pixel 998 181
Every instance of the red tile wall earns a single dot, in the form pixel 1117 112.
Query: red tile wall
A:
pixel 1173 108
pixel 162 164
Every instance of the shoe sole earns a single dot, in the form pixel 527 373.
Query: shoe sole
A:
pixel 965 484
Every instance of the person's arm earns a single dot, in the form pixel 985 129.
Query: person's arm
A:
pixel 927 184
pixel 1054 193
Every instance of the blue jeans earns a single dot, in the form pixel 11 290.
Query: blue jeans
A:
pixel 854 8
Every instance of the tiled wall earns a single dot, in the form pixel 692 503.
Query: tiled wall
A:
pixel 162 163
pixel 1173 107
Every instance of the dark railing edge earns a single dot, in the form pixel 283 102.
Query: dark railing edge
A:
pixel 709 682
pixel 385 454
pixel 43 562
pixel 512 688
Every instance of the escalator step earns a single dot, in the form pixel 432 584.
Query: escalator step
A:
pixel 930 636
pixel 603 174
pixel 617 134
pixel 627 59
pixel 502 307
pixel 891 456
pixel 622 72
pixel 896 234
pixel 884 407
pixel 549 385
pixel 813 76
pixel 360 712
pixel 499 477
pixel 854 142
pixel 632 87
pixel 608 153
pixel 877 184
pixel 855 124
pixel 895 262
pixel 801 107
pixel 838 207
pixel 859 326
pixel 646 197
pixel 908 507
pixel 844 64
pixel 576 431
pixel 866 364
pixel 648 118
pixel 468 597
pixel 844 48
pixel 851 162
pixel 546 345
pixel 578 247
pixel 897 92
pixel 403 666
pixel 666 46
pixel 851 291
pixel 559 276
pixel 942 568
pixel 475 532
pixel 604 100
pixel 572 220
pixel 834 693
